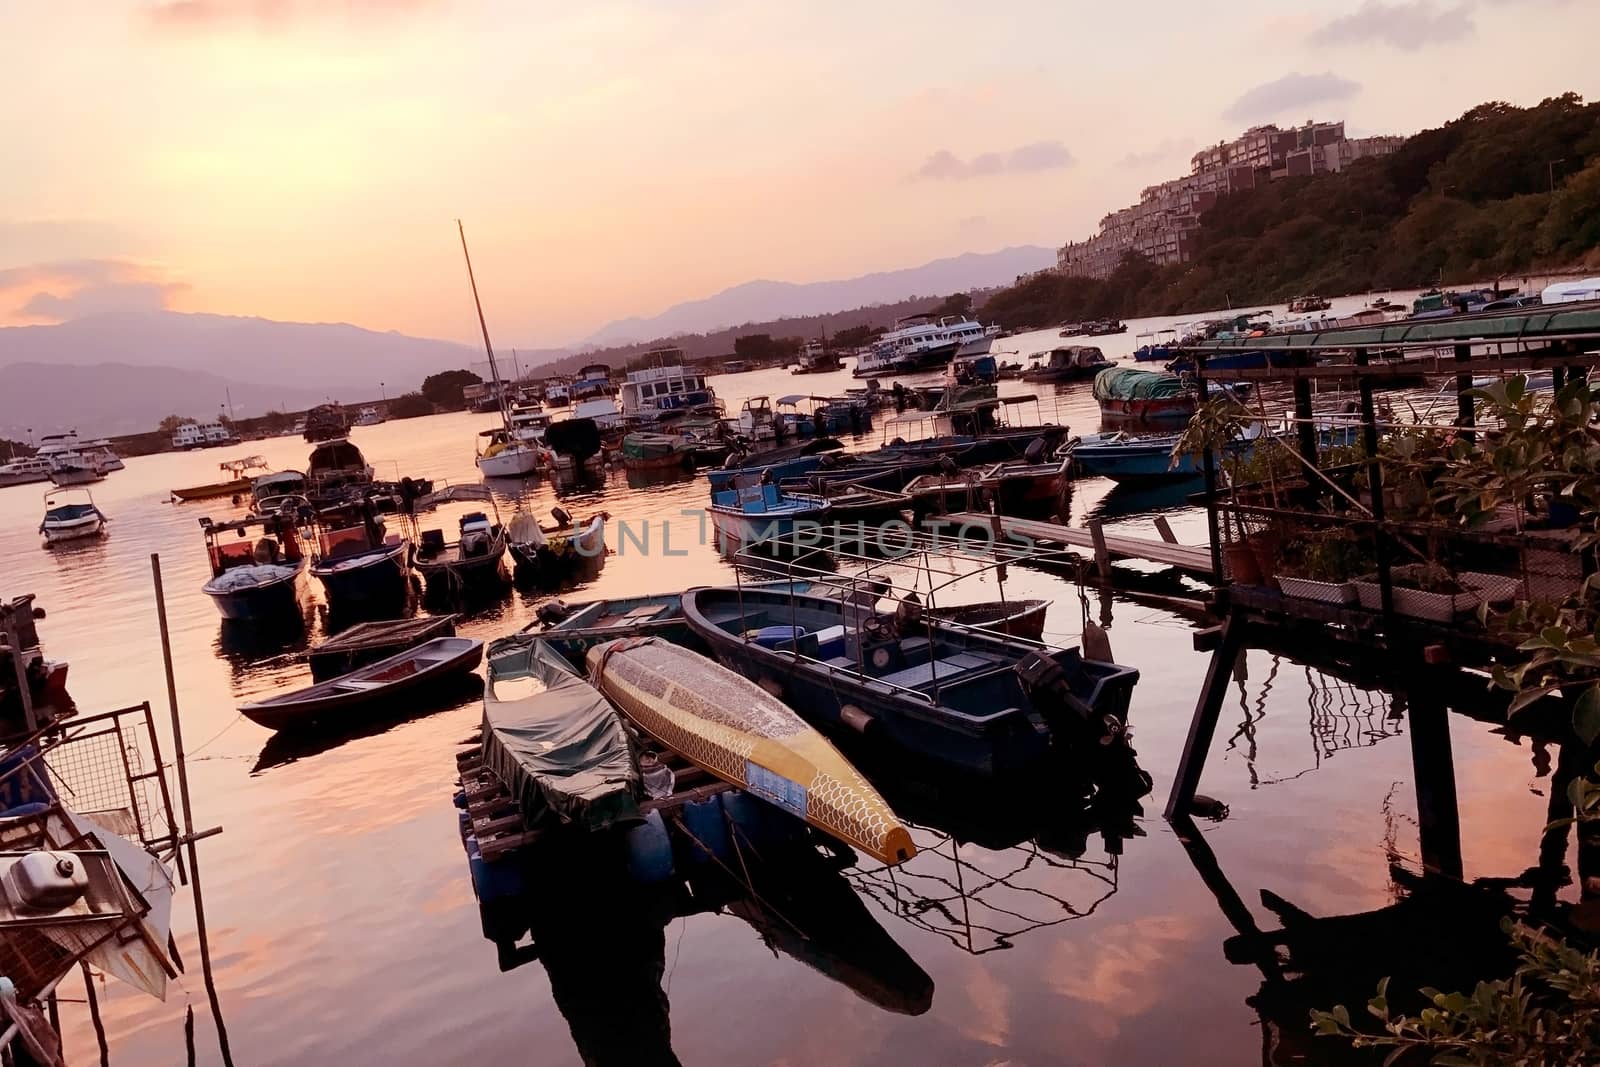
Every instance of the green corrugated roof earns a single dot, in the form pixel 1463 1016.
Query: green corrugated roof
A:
pixel 1576 321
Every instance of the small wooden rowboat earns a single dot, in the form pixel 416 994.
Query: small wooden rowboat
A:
pixel 328 702
pixel 746 736
pixel 1016 618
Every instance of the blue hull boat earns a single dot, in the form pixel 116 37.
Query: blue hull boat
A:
pixel 752 514
pixel 375 578
pixel 962 699
pixel 790 461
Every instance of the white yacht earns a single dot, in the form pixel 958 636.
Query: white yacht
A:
pixel 665 387
pixel 558 392
pixel 593 381
pixel 69 463
pixel 921 341
pixel 192 435
pixel 103 456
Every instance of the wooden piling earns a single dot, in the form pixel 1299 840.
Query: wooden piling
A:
pixel 1203 727
pixel 188 812
pixel 1438 817
pixel 1102 558
pixel 1164 528
pixel 1464 403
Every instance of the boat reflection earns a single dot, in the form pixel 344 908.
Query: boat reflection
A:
pixel 445 695
pixel 598 928
pixel 1127 499
pixel 245 641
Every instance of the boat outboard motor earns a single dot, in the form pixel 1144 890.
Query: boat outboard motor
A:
pixel 562 516
pixel 1035 452
pixel 1048 685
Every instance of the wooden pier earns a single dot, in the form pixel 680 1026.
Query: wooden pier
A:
pixel 1191 559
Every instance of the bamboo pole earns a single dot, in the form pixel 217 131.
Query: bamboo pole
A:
pixel 188 811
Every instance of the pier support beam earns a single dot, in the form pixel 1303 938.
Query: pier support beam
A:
pixel 1438 817
pixel 1464 412
pixel 1304 424
pixel 1203 727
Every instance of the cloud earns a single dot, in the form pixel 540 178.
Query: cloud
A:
pixel 1024 159
pixel 25 241
pixel 1406 26
pixel 209 14
pixel 76 288
pixel 1290 93
pixel 1167 149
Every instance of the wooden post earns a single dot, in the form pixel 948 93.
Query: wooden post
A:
pixel 14 644
pixel 188 812
pixel 1219 676
pixel 1438 817
pixel 1464 413
pixel 1102 558
pixel 1369 440
pixel 1209 467
pixel 1304 425
pixel 1164 528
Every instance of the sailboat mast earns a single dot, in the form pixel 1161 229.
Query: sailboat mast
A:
pixel 494 371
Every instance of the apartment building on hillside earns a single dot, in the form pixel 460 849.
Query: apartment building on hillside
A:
pixel 1163 224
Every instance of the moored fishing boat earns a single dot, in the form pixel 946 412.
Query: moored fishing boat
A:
pixel 542 555
pixel 337 702
pixel 256 567
pixel 642 450
pixel 744 735
pixel 1127 394
pixel 360 565
pixel 1014 618
pixel 1068 364
pixel 241 482
pixel 70 515
pixel 753 512
pixel 972 701
pixel 472 560
pixel 554 740
pixel 271 491
pixel 849 502
pixel 335 469
pixel 1023 488
pixel 1124 457
pixel 788 461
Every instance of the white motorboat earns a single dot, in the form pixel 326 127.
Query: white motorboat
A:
pixel 70 515
pixel 503 455
pixel 663 386
pixel 69 463
pixel 103 456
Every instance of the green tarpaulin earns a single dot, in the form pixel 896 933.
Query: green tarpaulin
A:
pixel 554 741
pixel 1128 383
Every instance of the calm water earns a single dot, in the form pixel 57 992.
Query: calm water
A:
pixel 344 926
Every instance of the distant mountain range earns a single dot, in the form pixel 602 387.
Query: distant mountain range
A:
pixel 760 301
pixel 122 372
pixel 105 399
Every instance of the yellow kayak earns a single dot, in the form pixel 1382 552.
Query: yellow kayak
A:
pixel 747 737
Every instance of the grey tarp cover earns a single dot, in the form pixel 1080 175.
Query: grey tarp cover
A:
pixel 562 752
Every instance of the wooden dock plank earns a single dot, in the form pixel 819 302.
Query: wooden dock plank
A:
pixel 1196 559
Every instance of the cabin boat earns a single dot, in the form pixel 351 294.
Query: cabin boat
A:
pixel 962 698
pixel 256 567
pixel 334 466
pixel 360 565
pixel 593 381
pixel 750 512
pixel 241 482
pixel 1102 327
pixel 736 366
pixel 103 456
pixel 816 359
pixel 1070 363
pixel 471 560
pixel 971 369
pixel 1301 305
pixel 69 463
pixel 326 422
pixel 23 471
pixel 921 341
pixel 529 423
pixel 875 361
pixel 369 416
pixel 270 492
pixel 502 455
pixel 757 421
pixel 335 703
pixel 558 392
pixel 1157 346
pixel 70 515
pixel 654 391
pixel 196 435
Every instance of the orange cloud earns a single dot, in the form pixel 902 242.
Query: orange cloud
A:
pixel 73 289
pixel 205 14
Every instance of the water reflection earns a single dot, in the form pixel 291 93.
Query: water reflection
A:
pixel 447 694
pixel 1124 500
pixel 598 928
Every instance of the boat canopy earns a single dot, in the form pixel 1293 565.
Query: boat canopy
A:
pixel 1129 383
pixel 561 752
pixel 336 455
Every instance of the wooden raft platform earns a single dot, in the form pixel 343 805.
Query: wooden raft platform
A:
pixel 1193 559
pixel 497 820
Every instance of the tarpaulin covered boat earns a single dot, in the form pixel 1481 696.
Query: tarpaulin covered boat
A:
pixel 554 741
pixel 1141 395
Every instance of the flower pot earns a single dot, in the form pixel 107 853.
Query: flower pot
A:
pixel 1493 588
pixel 1265 546
pixel 1240 561
pixel 1323 592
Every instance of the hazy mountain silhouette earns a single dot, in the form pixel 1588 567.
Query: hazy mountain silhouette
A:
pixel 759 301
pixel 117 398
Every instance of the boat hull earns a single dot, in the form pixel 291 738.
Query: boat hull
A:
pixel 511 463
pixel 1160 409
pixel 330 704
pixel 744 735
pixel 268 601
pixel 370 579
pixel 75 476
pixel 75 531
pixel 215 489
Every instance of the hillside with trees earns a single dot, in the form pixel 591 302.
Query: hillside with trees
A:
pixel 1501 190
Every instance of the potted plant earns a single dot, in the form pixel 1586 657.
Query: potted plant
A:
pixel 1421 591
pixel 1217 425
pixel 1319 565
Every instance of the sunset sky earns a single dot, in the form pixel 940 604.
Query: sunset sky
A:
pixel 304 159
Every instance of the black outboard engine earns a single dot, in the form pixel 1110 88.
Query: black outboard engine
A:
pixel 1093 743
pixel 562 516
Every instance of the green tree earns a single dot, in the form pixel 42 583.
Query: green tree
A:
pixel 954 304
pixel 853 336
pixel 444 389
pixel 410 406
pixel 170 424
pixel 754 346
pixel 1572 225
